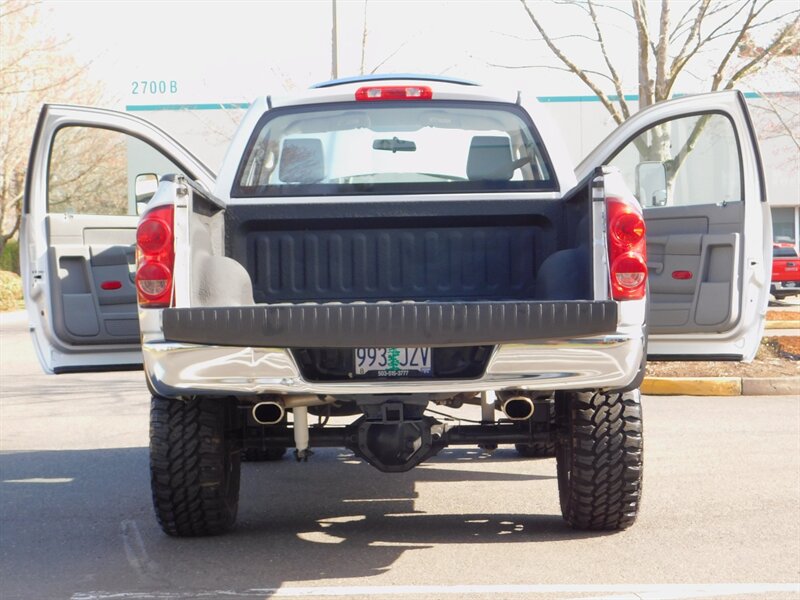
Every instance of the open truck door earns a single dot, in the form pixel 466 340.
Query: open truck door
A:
pixel 90 173
pixel 694 165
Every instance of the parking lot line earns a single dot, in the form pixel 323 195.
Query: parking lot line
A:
pixel 671 591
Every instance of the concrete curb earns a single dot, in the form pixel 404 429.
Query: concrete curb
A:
pixel 720 386
pixel 782 325
pixel 770 386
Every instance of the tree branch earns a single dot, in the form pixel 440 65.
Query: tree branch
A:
pixel 694 32
pixel 717 78
pixel 683 22
pixel 14 228
pixel 788 36
pixel 643 39
pixel 787 126
pixel 380 64
pixel 615 8
pixel 661 52
pixel 702 41
pixel 555 38
pixel 582 75
pixel 614 75
pixel 551 67
pixel 19 7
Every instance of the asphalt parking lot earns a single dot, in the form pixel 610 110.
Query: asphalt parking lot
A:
pixel 720 515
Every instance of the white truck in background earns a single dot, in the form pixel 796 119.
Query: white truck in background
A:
pixel 377 246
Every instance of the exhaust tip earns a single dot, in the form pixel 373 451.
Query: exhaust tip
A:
pixel 518 408
pixel 268 413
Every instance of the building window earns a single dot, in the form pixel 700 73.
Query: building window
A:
pixel 783 225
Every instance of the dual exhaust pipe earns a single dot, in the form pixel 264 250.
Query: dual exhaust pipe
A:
pixel 272 412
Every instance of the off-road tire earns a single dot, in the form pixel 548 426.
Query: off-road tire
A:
pixel 599 458
pixel 194 465
pixel 262 455
pixel 538 450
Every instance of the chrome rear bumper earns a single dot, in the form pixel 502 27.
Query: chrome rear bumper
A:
pixel 181 369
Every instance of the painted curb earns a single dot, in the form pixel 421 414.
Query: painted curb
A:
pixel 721 386
pixel 692 386
pixel 782 325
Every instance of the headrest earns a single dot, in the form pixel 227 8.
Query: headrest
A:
pixel 302 161
pixel 490 158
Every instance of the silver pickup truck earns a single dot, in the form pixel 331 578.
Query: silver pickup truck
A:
pixel 378 247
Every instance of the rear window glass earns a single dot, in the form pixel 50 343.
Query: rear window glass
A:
pixel 393 148
pixel 784 252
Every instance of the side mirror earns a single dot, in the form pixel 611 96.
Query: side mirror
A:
pixel 144 188
pixel 651 183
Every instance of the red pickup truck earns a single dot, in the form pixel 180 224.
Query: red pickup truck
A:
pixel 785 270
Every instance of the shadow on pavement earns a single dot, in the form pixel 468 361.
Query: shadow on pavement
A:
pixel 75 521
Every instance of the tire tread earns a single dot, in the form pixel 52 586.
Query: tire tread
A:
pixel 603 488
pixel 194 473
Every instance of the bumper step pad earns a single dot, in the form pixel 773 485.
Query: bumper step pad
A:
pixel 394 324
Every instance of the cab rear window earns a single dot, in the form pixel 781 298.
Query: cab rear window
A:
pixel 394 148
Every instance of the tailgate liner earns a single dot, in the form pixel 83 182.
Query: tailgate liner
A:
pixel 339 325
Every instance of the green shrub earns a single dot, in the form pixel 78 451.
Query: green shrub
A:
pixel 10 291
pixel 9 259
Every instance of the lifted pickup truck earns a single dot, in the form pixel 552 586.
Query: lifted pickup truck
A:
pixel 375 247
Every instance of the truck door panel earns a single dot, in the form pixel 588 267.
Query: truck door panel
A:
pixel 694 165
pixel 694 261
pixel 93 295
pixel 78 232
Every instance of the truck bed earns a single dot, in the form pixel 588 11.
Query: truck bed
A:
pixel 413 251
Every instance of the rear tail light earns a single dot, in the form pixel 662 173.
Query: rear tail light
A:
pixel 627 251
pixel 394 92
pixel 155 257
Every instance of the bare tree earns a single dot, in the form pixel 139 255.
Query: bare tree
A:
pixel 665 52
pixel 88 172
pixel 666 46
pixel 32 71
pixel 777 111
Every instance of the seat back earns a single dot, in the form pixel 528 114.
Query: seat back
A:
pixel 302 161
pixel 490 158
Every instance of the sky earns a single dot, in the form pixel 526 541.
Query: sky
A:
pixel 170 53
pixel 232 51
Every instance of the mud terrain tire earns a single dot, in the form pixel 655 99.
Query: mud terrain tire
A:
pixel 194 465
pixel 599 458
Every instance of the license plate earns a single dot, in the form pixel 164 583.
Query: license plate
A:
pixel 789 284
pixel 393 362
